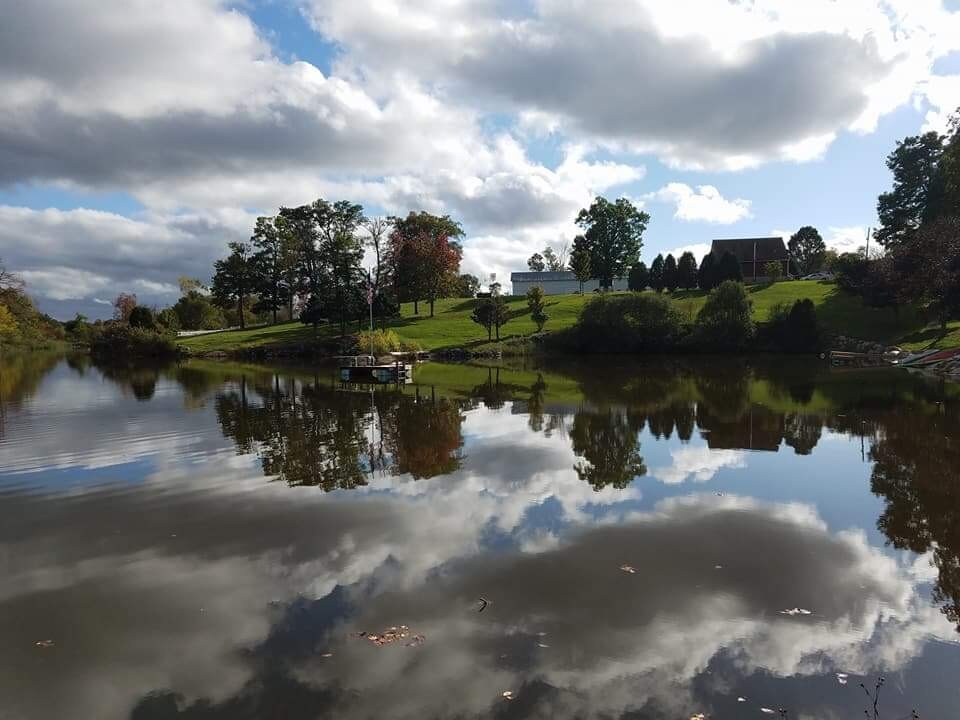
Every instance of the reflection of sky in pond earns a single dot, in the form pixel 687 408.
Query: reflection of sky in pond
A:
pixel 139 533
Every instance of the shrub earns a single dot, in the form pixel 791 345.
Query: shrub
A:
pixel 629 323
pixel 168 320
pixel 141 317
pixel 773 270
pixel 793 328
pixel 121 340
pixel 378 342
pixel 724 321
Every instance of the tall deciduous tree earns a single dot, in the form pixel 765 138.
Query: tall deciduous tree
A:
pixel 467 286
pixel 671 279
pixel 537 307
pixel 918 189
pixel 425 258
pixel 657 279
pixel 614 235
pixel 340 253
pixel 270 260
pixel 807 249
pixel 299 226
pixel 536 263
pixel 555 261
pixel 929 268
pixel 123 305
pixel 233 279
pixel 483 315
pixel 687 271
pixel 580 262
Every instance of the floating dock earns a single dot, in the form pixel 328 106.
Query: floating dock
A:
pixel 366 369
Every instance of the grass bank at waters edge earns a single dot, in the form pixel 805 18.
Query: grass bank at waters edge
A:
pixel 839 312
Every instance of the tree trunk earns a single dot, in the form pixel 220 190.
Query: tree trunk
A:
pixel 416 307
pixel 240 310
pixel 498 331
pixel 431 307
pixel 489 333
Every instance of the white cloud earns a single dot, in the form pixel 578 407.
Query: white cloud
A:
pixel 699 250
pixel 705 203
pixel 698 464
pixel 846 239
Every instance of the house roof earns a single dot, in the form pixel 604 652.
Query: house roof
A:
pixel 541 276
pixel 767 248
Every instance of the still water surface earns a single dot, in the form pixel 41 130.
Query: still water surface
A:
pixel 617 540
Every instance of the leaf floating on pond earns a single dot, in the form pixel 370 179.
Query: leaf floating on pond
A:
pixel 391 635
pixel 508 695
pixel 543 645
pixel 795 611
pixel 768 711
pixel 698 716
pixel 44 643
pixel 483 604
pixel 741 699
pixel 628 569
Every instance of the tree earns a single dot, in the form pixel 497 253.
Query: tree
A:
pixel 312 313
pixel 142 317
pixel 467 286
pixel 298 225
pixel 339 254
pixel 535 263
pixel 614 236
pixel 425 257
pixel 233 279
pixel 123 305
pixel 657 280
pixel 274 252
pixel 195 312
pixel 608 443
pixel 9 280
pixel 687 271
pixel 638 278
pixel 929 268
pixel 168 319
pixel 807 249
pixel 670 277
pixel 725 320
pixel 707 275
pixel 773 270
pixel 919 189
pixel 376 228
pixel 536 306
pixel 189 284
pixel 556 261
pixel 580 263
pixel 501 314
pixel 729 268
pixel 483 315
pixel 8 325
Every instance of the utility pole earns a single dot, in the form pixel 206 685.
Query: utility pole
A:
pixel 867 251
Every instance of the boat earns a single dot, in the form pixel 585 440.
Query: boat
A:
pixel 365 369
pixel 932 358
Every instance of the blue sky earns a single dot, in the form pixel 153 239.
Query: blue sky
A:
pixel 134 147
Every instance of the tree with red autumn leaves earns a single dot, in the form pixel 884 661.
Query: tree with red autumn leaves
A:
pixel 424 257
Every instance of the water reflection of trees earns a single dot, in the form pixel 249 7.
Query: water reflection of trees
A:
pixel 608 441
pixel 315 434
pixel 917 472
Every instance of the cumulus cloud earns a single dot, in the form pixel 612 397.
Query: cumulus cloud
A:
pixel 781 80
pixel 846 239
pixel 705 203
pixel 699 464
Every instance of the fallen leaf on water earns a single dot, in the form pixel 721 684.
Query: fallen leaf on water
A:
pixel 483 604
pixel 698 716
pixel 392 635
pixel 768 711
pixel 718 567
pixel 508 695
pixel 628 569
pixel 842 676
pixel 795 611
pixel 741 699
pixel 44 643
pixel 543 645
pixel 841 680
pixel 326 655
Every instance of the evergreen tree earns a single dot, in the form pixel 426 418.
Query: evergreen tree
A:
pixel 234 279
pixel 687 271
pixel 639 277
pixel 657 280
pixel 708 273
pixel 729 268
pixel 670 277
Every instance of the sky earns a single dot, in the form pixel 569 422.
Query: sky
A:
pixel 137 141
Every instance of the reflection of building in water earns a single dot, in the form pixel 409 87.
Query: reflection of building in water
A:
pixel 756 429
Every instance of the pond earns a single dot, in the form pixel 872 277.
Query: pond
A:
pixel 613 538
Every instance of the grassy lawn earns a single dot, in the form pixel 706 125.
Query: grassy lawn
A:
pixel 451 326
